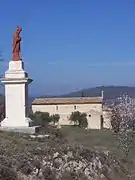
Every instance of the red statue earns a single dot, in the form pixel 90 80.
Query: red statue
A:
pixel 16 45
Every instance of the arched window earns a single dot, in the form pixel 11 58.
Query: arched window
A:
pixel 74 107
pixel 56 107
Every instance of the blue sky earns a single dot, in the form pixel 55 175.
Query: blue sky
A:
pixel 71 44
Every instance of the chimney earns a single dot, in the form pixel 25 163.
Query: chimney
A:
pixel 102 94
pixel 82 95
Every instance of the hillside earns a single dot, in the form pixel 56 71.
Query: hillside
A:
pixel 110 92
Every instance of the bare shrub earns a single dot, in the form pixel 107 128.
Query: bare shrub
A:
pixel 7 173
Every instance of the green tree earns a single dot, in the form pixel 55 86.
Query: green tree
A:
pixel 83 120
pixel 54 118
pixel 79 119
pixel 40 118
pixel 75 117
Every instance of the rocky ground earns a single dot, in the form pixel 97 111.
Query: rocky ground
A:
pixel 53 157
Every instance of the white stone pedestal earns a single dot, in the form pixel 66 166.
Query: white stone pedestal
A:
pixel 16 96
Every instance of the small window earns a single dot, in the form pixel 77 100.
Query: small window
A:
pixel 89 115
pixel 56 107
pixel 75 107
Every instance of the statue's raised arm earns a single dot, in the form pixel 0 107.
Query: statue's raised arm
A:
pixel 16 48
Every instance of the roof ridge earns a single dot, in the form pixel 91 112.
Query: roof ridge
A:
pixel 77 100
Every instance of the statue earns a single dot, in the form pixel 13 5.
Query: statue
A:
pixel 16 49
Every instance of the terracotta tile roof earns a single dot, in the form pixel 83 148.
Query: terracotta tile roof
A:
pixel 74 100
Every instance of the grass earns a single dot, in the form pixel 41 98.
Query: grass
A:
pixel 89 138
pixel 15 145
pixel 101 140
pixel 98 139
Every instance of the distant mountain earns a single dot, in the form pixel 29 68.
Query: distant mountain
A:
pixel 110 92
